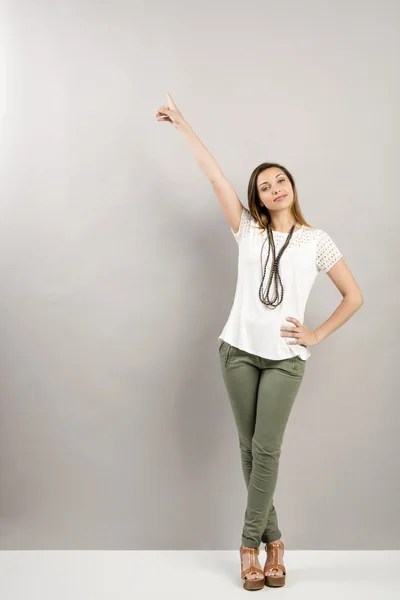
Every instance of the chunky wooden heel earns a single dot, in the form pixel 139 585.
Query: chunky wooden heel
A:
pixel 253 583
pixel 277 549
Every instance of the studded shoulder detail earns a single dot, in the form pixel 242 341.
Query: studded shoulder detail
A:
pixel 327 252
pixel 248 225
pixel 244 227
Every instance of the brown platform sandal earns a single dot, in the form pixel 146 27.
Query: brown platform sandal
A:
pixel 277 549
pixel 256 583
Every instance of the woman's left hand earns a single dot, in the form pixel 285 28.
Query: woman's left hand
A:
pixel 304 337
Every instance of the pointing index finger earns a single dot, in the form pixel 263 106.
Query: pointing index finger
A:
pixel 171 102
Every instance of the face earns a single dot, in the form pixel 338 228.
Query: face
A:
pixel 271 184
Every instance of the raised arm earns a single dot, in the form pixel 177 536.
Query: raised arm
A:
pixel 227 197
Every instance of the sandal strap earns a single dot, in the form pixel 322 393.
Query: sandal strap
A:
pixel 275 566
pixel 275 547
pixel 253 570
pixel 253 552
pixel 249 550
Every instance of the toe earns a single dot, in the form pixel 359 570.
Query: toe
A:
pixel 274 571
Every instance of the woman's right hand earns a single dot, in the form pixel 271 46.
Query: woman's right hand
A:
pixel 171 114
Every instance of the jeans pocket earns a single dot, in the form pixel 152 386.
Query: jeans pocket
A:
pixel 225 351
pixel 298 363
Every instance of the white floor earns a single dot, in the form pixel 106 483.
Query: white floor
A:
pixel 138 575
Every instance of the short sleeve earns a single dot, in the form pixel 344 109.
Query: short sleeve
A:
pixel 327 252
pixel 244 226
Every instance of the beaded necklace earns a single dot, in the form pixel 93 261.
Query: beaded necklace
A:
pixel 274 273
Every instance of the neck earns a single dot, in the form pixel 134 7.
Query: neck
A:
pixel 282 223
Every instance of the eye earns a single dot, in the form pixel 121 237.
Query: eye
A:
pixel 279 180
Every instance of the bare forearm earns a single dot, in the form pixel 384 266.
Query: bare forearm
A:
pixel 348 306
pixel 203 157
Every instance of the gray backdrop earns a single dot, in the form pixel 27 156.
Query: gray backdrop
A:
pixel 118 268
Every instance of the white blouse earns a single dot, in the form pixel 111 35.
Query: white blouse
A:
pixel 254 327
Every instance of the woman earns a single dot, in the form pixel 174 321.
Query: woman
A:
pixel 264 345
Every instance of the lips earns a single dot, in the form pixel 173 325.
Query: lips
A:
pixel 282 196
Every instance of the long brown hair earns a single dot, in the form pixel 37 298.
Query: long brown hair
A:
pixel 260 212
